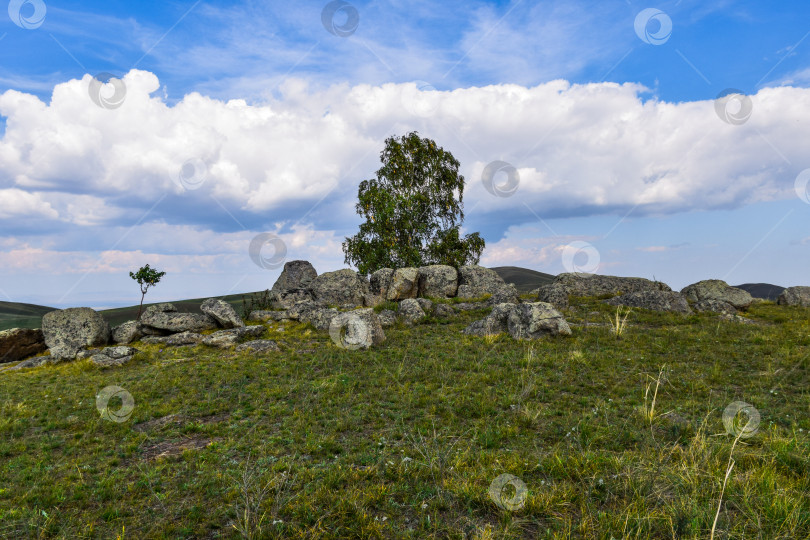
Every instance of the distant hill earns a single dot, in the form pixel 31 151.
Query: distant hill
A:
pixel 523 279
pixel 762 290
pixel 18 315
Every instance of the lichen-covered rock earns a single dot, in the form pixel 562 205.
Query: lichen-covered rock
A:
pixel 165 317
pixel 596 285
pixel 126 333
pixel 263 316
pixel 506 294
pixel 68 331
pixel 358 329
pixel 552 293
pixel 716 289
pixel 258 346
pixel 653 300
pixel 425 304
pixel 437 281
pixel 410 311
pixel 387 317
pixel 19 343
pixel 494 323
pixel 341 287
pixel 536 320
pixel 222 312
pixel 443 311
pixel 714 305
pixel 795 296
pixel 175 340
pixel 295 275
pixel 475 281
pixel 404 284
pixel 232 336
pixel 380 281
pixel 290 297
pixel 321 318
pixel 113 356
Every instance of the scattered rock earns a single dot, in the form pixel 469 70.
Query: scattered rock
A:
pixel 795 296
pixel 362 329
pixel 425 304
pixel 263 316
pixel 222 312
pixel 653 300
pixel 716 289
pixel 597 285
pixel 340 287
pixel 552 293
pixel 287 299
pixel 536 320
pixel 437 281
pixel 404 284
pixel 32 362
pixel 67 331
pixel 165 317
pixel 19 343
pixel 410 311
pixel 113 356
pixel 443 311
pixel 175 340
pixel 126 333
pixel 507 294
pixel 494 323
pixel 470 306
pixel 387 317
pixel 259 346
pixel 295 275
pixel 228 338
pixel 302 311
pixel 475 281
pixel 735 317
pixel 321 318
pixel 714 305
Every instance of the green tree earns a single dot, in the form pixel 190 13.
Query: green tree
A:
pixel 413 210
pixel 146 277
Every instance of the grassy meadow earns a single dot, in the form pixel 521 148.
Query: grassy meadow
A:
pixel 612 436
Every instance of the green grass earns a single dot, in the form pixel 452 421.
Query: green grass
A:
pixel 404 440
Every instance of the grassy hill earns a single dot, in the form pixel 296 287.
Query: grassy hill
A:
pixel 604 437
pixel 762 290
pixel 524 279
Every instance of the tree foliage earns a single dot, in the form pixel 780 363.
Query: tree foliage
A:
pixel 146 277
pixel 413 210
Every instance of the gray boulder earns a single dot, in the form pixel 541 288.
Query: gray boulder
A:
pixel 263 316
pixel 404 284
pixel 443 311
pixel 113 356
pixel 19 343
pixel 506 294
pixel 387 317
pixel 341 287
pixel 258 346
pixel 795 296
pixel 358 329
pixel 290 297
pixel 126 333
pixel 301 311
pixel 494 323
pixel 68 331
pixel 653 300
pixel 596 285
pixel 410 311
pixel 552 293
pixel 164 317
pixel 475 281
pixel 425 304
pixel 714 305
pixel 232 336
pixel 716 289
pixel 175 340
pixel 321 318
pixel 380 281
pixel 536 320
pixel 222 312
pixel 437 281
pixel 296 275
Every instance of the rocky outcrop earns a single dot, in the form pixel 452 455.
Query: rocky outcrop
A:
pixel 338 288
pixel 380 281
pixel 597 285
pixel 222 312
pixel 263 316
pixel 175 340
pixel 232 336
pixel 404 284
pixel 68 331
pixel 295 275
pixel 552 293
pixel 475 281
pixel 164 317
pixel 358 329
pixel 387 317
pixel 126 333
pixel 507 294
pixel 437 281
pixel 795 296
pixel 19 343
pixel 716 289
pixel 113 356
pixel 653 300
pixel 410 312
pixel 714 305
pixel 287 299
pixel 522 321
pixel 443 311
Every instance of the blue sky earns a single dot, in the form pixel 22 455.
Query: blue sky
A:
pixel 611 124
